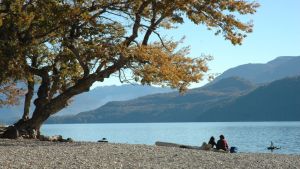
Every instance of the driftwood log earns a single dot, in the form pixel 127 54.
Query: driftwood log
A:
pixel 167 144
pixel 204 146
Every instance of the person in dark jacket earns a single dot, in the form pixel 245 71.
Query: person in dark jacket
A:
pixel 222 144
pixel 212 142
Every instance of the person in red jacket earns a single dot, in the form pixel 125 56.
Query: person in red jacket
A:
pixel 222 144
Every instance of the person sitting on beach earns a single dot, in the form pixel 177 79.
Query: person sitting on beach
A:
pixel 212 142
pixel 222 144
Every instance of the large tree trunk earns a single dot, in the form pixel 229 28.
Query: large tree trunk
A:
pixel 30 128
pixel 28 97
pixel 45 106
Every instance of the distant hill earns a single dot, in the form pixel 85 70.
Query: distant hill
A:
pixel 226 92
pixel 168 107
pixel 89 100
pixel 101 95
pixel 277 101
pixel 230 99
pixel 279 68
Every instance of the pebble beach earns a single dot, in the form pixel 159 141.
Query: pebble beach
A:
pixel 43 154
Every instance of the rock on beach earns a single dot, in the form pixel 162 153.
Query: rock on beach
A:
pixel 43 154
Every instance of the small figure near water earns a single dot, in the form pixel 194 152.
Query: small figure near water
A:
pixel 222 144
pixel 272 147
pixel 104 140
pixel 212 142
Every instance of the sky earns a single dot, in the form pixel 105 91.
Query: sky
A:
pixel 276 33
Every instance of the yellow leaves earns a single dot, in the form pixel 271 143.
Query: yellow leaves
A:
pixel 107 33
pixel 76 11
pixel 25 20
pixel 221 15
pixel 163 67
pixel 80 1
pixel 9 93
pixel 86 16
pixel 16 7
pixel 166 25
pixel 30 78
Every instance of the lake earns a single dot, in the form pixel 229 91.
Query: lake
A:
pixel 247 136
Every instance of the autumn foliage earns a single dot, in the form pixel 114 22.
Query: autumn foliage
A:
pixel 9 94
pixel 64 46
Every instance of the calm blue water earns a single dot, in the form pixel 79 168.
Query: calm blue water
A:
pixel 247 136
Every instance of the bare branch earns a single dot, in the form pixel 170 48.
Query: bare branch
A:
pixel 78 57
pixel 137 23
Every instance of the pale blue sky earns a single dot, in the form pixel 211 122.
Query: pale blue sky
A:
pixel 276 33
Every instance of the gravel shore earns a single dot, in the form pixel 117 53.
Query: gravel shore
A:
pixel 38 154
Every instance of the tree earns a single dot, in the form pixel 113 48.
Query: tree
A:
pixel 9 94
pixel 64 46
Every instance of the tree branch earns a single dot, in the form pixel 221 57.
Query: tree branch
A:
pixel 137 23
pixel 76 53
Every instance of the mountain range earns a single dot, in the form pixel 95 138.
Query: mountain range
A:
pixel 277 101
pixel 168 107
pixel 250 92
pixel 88 101
pixel 279 68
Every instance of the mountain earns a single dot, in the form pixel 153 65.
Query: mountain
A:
pixel 89 100
pixel 168 107
pixel 230 99
pixel 279 68
pixel 196 105
pixel 277 101
pixel 101 95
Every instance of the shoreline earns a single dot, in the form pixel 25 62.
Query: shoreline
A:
pixel 43 154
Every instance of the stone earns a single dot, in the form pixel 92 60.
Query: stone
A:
pixel 56 138
pixel 104 140
pixel 33 133
pixel 11 133
pixel 44 138
pixel 70 140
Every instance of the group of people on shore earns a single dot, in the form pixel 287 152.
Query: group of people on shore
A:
pixel 220 145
